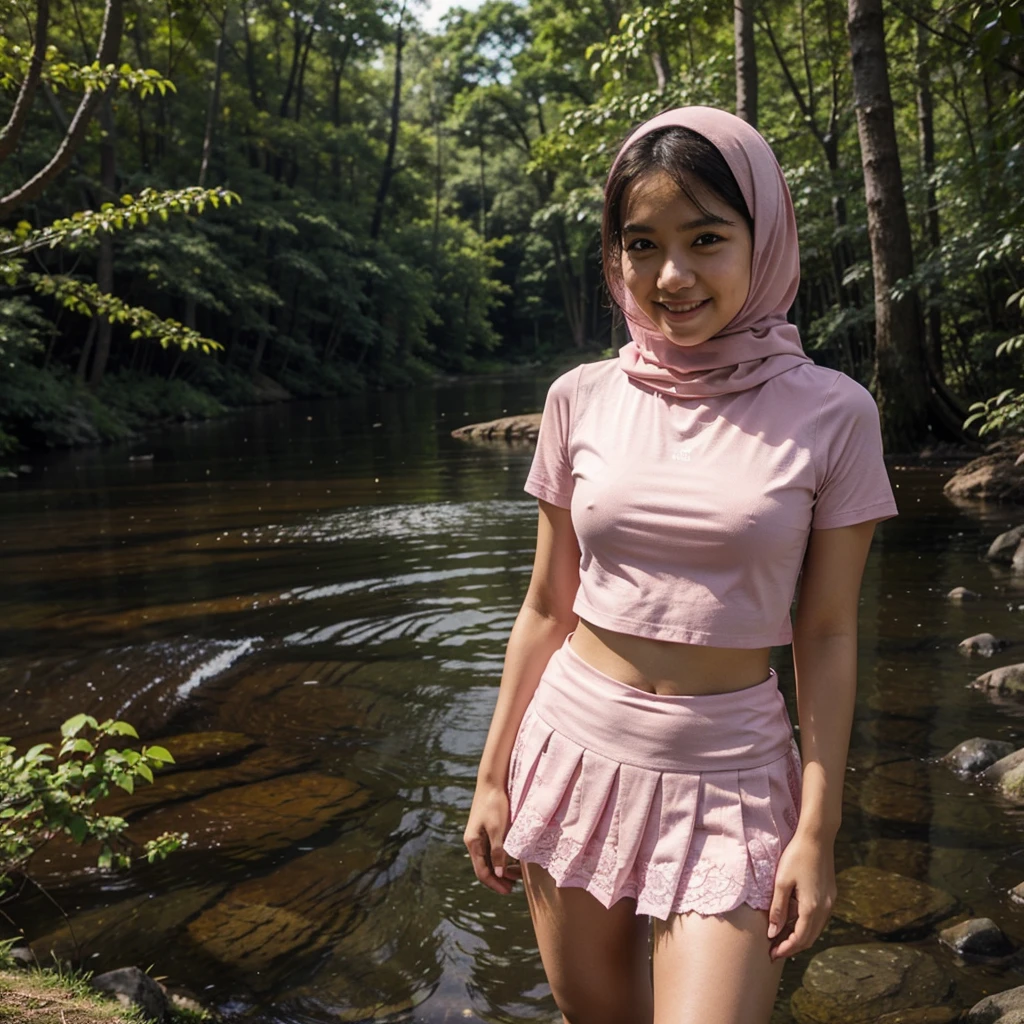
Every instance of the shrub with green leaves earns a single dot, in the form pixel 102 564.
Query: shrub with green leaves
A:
pixel 48 792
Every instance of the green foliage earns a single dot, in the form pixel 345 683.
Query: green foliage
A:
pixel 50 791
pixel 487 243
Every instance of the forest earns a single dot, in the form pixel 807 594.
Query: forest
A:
pixel 208 203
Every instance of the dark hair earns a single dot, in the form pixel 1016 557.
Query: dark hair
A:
pixel 683 155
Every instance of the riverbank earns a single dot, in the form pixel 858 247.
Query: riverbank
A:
pixel 43 409
pixel 43 996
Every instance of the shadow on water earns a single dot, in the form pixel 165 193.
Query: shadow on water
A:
pixel 308 604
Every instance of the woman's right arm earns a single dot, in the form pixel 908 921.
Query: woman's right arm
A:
pixel 541 626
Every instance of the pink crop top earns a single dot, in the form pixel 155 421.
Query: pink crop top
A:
pixel 693 514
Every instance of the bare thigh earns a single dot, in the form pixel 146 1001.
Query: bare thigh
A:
pixel 597 960
pixel 714 970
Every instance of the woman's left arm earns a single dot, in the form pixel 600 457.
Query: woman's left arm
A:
pixel 825 660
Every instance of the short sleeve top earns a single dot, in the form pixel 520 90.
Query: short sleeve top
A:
pixel 693 515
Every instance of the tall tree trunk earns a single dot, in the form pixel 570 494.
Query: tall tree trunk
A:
pixel 106 53
pixel 105 261
pixel 483 176
pixel 746 60
pixel 214 104
pixel 901 377
pixel 388 170
pixel 932 234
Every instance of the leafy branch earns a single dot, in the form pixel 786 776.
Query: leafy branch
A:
pixel 44 794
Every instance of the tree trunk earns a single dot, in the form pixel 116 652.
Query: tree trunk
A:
pixel 388 170
pixel 932 234
pixel 901 378
pixel 105 261
pixel 110 43
pixel 214 104
pixel 746 60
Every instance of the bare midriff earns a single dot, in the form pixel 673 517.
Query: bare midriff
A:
pixel 668 668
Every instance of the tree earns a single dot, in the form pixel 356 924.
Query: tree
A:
pixel 901 380
pixel 746 60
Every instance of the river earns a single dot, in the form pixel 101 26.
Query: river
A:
pixel 308 603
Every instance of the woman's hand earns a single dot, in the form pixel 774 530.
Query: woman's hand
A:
pixel 805 889
pixel 485 837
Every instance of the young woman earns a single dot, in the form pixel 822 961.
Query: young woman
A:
pixel 640 763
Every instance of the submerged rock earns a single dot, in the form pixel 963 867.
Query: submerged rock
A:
pixel 976 754
pixel 295 909
pixel 249 822
pixel 889 904
pixel 963 594
pixel 1007 679
pixel 140 924
pixel 979 938
pixel 864 983
pixel 1002 1008
pixel 203 749
pixel 984 644
pixel 263 764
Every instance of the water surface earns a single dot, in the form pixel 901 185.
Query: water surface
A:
pixel 328 588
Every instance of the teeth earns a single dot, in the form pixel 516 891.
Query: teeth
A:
pixel 683 307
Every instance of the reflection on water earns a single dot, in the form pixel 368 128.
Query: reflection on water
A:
pixel 308 604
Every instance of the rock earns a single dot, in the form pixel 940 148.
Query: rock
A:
pixel 979 938
pixel 984 644
pixel 1017 893
pixel 294 910
pixel 905 856
pixel 1011 785
pixel 898 791
pixel 22 956
pixel 992 477
pixel 1018 558
pixel 1008 679
pixel 861 984
pixel 1002 1008
pixel 1003 548
pixel 139 923
pixel 249 822
pixel 263 764
pixel 931 1015
pixel 963 594
pixel 508 428
pixel 889 904
pixel 1003 766
pixel 132 987
pixel 974 755
pixel 203 749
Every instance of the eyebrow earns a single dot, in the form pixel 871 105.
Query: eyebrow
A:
pixel 710 220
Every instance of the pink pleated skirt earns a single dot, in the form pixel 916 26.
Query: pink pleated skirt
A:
pixel 682 803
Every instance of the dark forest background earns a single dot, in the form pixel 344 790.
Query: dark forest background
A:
pixel 416 203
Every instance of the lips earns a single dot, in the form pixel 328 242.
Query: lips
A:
pixel 683 307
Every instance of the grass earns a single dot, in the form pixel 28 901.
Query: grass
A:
pixel 62 997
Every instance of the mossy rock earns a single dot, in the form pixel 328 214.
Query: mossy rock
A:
pixel 863 984
pixel 889 904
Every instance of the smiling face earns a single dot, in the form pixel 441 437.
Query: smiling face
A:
pixel 687 266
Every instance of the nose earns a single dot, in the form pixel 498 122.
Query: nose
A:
pixel 675 273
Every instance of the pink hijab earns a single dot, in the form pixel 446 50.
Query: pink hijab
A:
pixel 759 343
